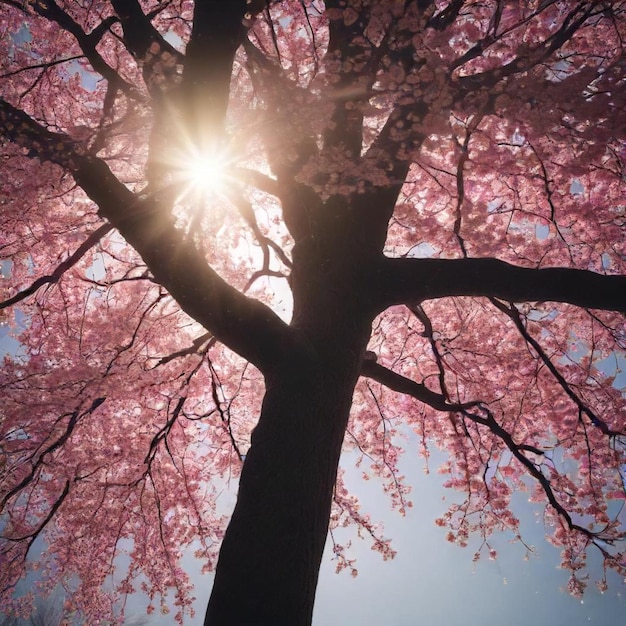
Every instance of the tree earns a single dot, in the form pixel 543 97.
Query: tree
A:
pixel 240 236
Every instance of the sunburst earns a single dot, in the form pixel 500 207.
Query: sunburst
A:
pixel 204 172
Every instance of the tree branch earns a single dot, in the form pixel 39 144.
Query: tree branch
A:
pixel 513 314
pixel 75 417
pixel 139 33
pixel 199 343
pixel 404 385
pixel 411 281
pixel 146 44
pixel 574 20
pixel 217 33
pixel 43 66
pixel 347 41
pixel 49 279
pixel 245 325
pixel 401 384
pixel 87 42
pixel 444 18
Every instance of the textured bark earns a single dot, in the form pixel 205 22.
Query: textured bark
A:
pixel 270 557
pixel 269 561
pixel 410 281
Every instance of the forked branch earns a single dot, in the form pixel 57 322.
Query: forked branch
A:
pixel 402 384
pixel 63 267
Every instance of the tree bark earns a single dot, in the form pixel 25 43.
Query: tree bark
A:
pixel 411 281
pixel 270 557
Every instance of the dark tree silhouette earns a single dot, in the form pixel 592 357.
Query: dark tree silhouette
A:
pixel 241 235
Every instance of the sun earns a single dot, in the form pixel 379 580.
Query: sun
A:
pixel 203 180
pixel 206 173
pixel 200 172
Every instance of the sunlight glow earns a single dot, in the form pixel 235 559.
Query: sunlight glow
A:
pixel 206 172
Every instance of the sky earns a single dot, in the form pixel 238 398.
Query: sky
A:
pixel 432 582
pixel 435 583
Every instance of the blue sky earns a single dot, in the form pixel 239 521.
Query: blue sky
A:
pixel 434 583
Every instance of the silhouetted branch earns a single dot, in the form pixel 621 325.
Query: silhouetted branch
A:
pixel 411 281
pixel 513 314
pixel 56 275
pixel 87 42
pixel 401 384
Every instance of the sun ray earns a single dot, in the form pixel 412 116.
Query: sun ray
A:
pixel 206 172
pixel 198 165
pixel 203 172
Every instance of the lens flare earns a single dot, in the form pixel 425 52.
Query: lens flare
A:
pixel 206 173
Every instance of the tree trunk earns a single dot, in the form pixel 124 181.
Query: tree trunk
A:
pixel 270 557
pixel 269 560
